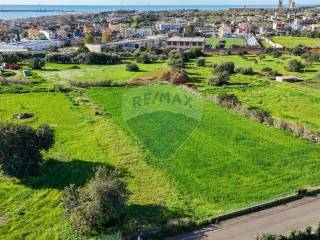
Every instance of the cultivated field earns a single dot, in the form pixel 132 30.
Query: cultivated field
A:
pixel 228 162
pixel 291 42
pixel 292 102
pixel 214 163
pixel 65 72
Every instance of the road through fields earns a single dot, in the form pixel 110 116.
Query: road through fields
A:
pixel 282 219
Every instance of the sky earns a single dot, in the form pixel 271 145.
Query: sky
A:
pixel 152 2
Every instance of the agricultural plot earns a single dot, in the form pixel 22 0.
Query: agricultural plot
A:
pixel 292 42
pixel 65 72
pixel 229 42
pixel 193 163
pixel 31 208
pixel 226 163
pixel 291 102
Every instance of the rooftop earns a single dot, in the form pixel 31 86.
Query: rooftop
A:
pixel 186 39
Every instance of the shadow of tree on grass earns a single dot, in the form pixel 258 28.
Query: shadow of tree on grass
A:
pixel 59 174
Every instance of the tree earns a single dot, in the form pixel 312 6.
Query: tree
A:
pixel 36 63
pixel 131 67
pixel 294 66
pixel 224 67
pixel 88 38
pixel 222 78
pixel 201 62
pixel 99 203
pixel 20 147
pixel 105 38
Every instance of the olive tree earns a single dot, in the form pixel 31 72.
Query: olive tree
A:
pixel 20 148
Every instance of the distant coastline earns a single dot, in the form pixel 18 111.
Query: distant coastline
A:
pixel 26 11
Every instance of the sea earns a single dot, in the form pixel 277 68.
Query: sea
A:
pixel 26 11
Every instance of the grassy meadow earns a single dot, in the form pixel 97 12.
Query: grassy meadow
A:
pixel 291 42
pixel 227 162
pixel 206 165
pixel 289 101
pixel 118 72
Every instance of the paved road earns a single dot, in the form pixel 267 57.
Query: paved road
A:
pixel 282 219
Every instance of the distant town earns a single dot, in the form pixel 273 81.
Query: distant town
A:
pixel 245 27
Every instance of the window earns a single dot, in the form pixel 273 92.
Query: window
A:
pixel 174 43
pixel 187 43
pixel 181 43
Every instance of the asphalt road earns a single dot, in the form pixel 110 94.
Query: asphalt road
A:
pixel 282 219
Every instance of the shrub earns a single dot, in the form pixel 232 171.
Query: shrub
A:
pixel 176 60
pixel 58 58
pixel 36 63
pixel 97 58
pixel 259 114
pixel 294 66
pixel 224 67
pixel 175 77
pixel 230 101
pixel 131 67
pixel 144 58
pixel 299 50
pixel 222 78
pixel 244 70
pixel 276 54
pixel 201 62
pixel 98 204
pixel 20 147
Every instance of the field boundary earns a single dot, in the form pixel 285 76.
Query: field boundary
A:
pixel 180 227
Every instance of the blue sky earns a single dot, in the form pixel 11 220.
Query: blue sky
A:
pixel 151 2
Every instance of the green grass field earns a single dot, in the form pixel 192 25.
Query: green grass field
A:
pixel 187 164
pixel 291 42
pixel 292 102
pixel 65 72
pixel 228 162
pixel 82 141
pixel 229 42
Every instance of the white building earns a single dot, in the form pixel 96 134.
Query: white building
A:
pixel 34 45
pixel 48 34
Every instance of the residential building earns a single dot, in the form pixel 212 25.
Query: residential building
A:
pixel 186 42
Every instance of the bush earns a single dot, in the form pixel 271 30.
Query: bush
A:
pixel 36 63
pixel 299 50
pixel 201 62
pixel 97 58
pixel 20 147
pixel 58 58
pixel 276 54
pixel 263 116
pixel 294 66
pixel 230 101
pixel 131 67
pixel 245 70
pixel 176 59
pixel 98 204
pixel 307 234
pixel 175 77
pixel 222 78
pixel 225 67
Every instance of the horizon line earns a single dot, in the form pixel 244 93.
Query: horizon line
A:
pixel 191 5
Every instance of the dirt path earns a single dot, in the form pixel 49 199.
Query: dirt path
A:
pixel 282 219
